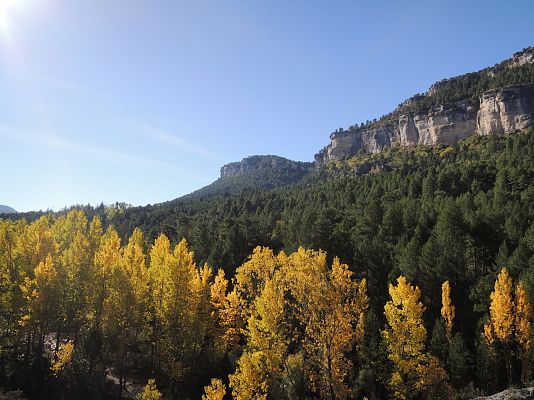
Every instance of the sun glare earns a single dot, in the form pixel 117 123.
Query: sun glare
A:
pixel 7 7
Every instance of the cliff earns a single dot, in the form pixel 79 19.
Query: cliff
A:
pixel 420 121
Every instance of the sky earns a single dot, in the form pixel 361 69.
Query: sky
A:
pixel 143 101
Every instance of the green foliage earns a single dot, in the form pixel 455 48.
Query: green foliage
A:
pixel 457 213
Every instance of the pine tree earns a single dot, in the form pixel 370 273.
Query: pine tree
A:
pixel 458 361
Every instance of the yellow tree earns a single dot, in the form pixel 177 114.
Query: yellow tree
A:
pixel 251 276
pixel 150 391
pixel 106 260
pixel 332 308
pixel 232 321
pixel 160 260
pixel 41 294
pixel 175 301
pixel 11 300
pixel 523 328
pixel 249 382
pixel 125 303
pixel 35 244
pixel 447 309
pixel 500 327
pixel 260 368
pixel 405 337
pixel 219 303
pixel 75 266
pixel 226 311
pixel 214 391
pixel 64 357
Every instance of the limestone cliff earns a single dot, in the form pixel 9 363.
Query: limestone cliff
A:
pixel 506 110
pixel 420 121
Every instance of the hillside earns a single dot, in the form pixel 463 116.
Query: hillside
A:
pixel 495 100
pixel 255 172
pixel 456 213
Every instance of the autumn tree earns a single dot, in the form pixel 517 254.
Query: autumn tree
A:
pixel 41 295
pixel 124 304
pixel 447 309
pixel 150 391
pixel 332 308
pixel 405 335
pixel 177 287
pixel 214 391
pixel 249 382
pixel 304 323
pixel 75 270
pixel 523 329
pixel 267 347
pixel 227 313
pixel 499 329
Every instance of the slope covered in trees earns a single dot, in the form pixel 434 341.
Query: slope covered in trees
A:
pixel 255 172
pixel 436 224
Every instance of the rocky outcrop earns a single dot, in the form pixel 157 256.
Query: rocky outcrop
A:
pixel 505 110
pixel 496 112
pixel 265 163
pixel 511 394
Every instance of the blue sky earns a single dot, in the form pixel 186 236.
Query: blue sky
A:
pixel 144 101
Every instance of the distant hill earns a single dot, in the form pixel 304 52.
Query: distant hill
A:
pixel 255 172
pixel 7 210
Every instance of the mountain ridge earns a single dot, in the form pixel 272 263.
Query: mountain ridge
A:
pixel 495 100
pixel 7 210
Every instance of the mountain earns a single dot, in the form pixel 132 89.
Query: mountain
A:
pixel 7 210
pixel 495 100
pixel 255 172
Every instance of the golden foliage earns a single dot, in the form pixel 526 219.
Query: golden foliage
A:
pixel 447 309
pixel 40 294
pixel 150 391
pixel 64 357
pixel 214 391
pixel 405 337
pixel 249 382
pixel 523 318
pixel 501 310
pixel 523 328
pixel 327 303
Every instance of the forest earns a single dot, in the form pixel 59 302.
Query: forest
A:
pixel 407 274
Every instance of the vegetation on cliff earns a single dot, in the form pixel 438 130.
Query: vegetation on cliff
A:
pixel 466 87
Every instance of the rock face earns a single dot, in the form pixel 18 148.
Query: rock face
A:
pixel 506 110
pixel 497 112
pixel 511 394
pixel 263 163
